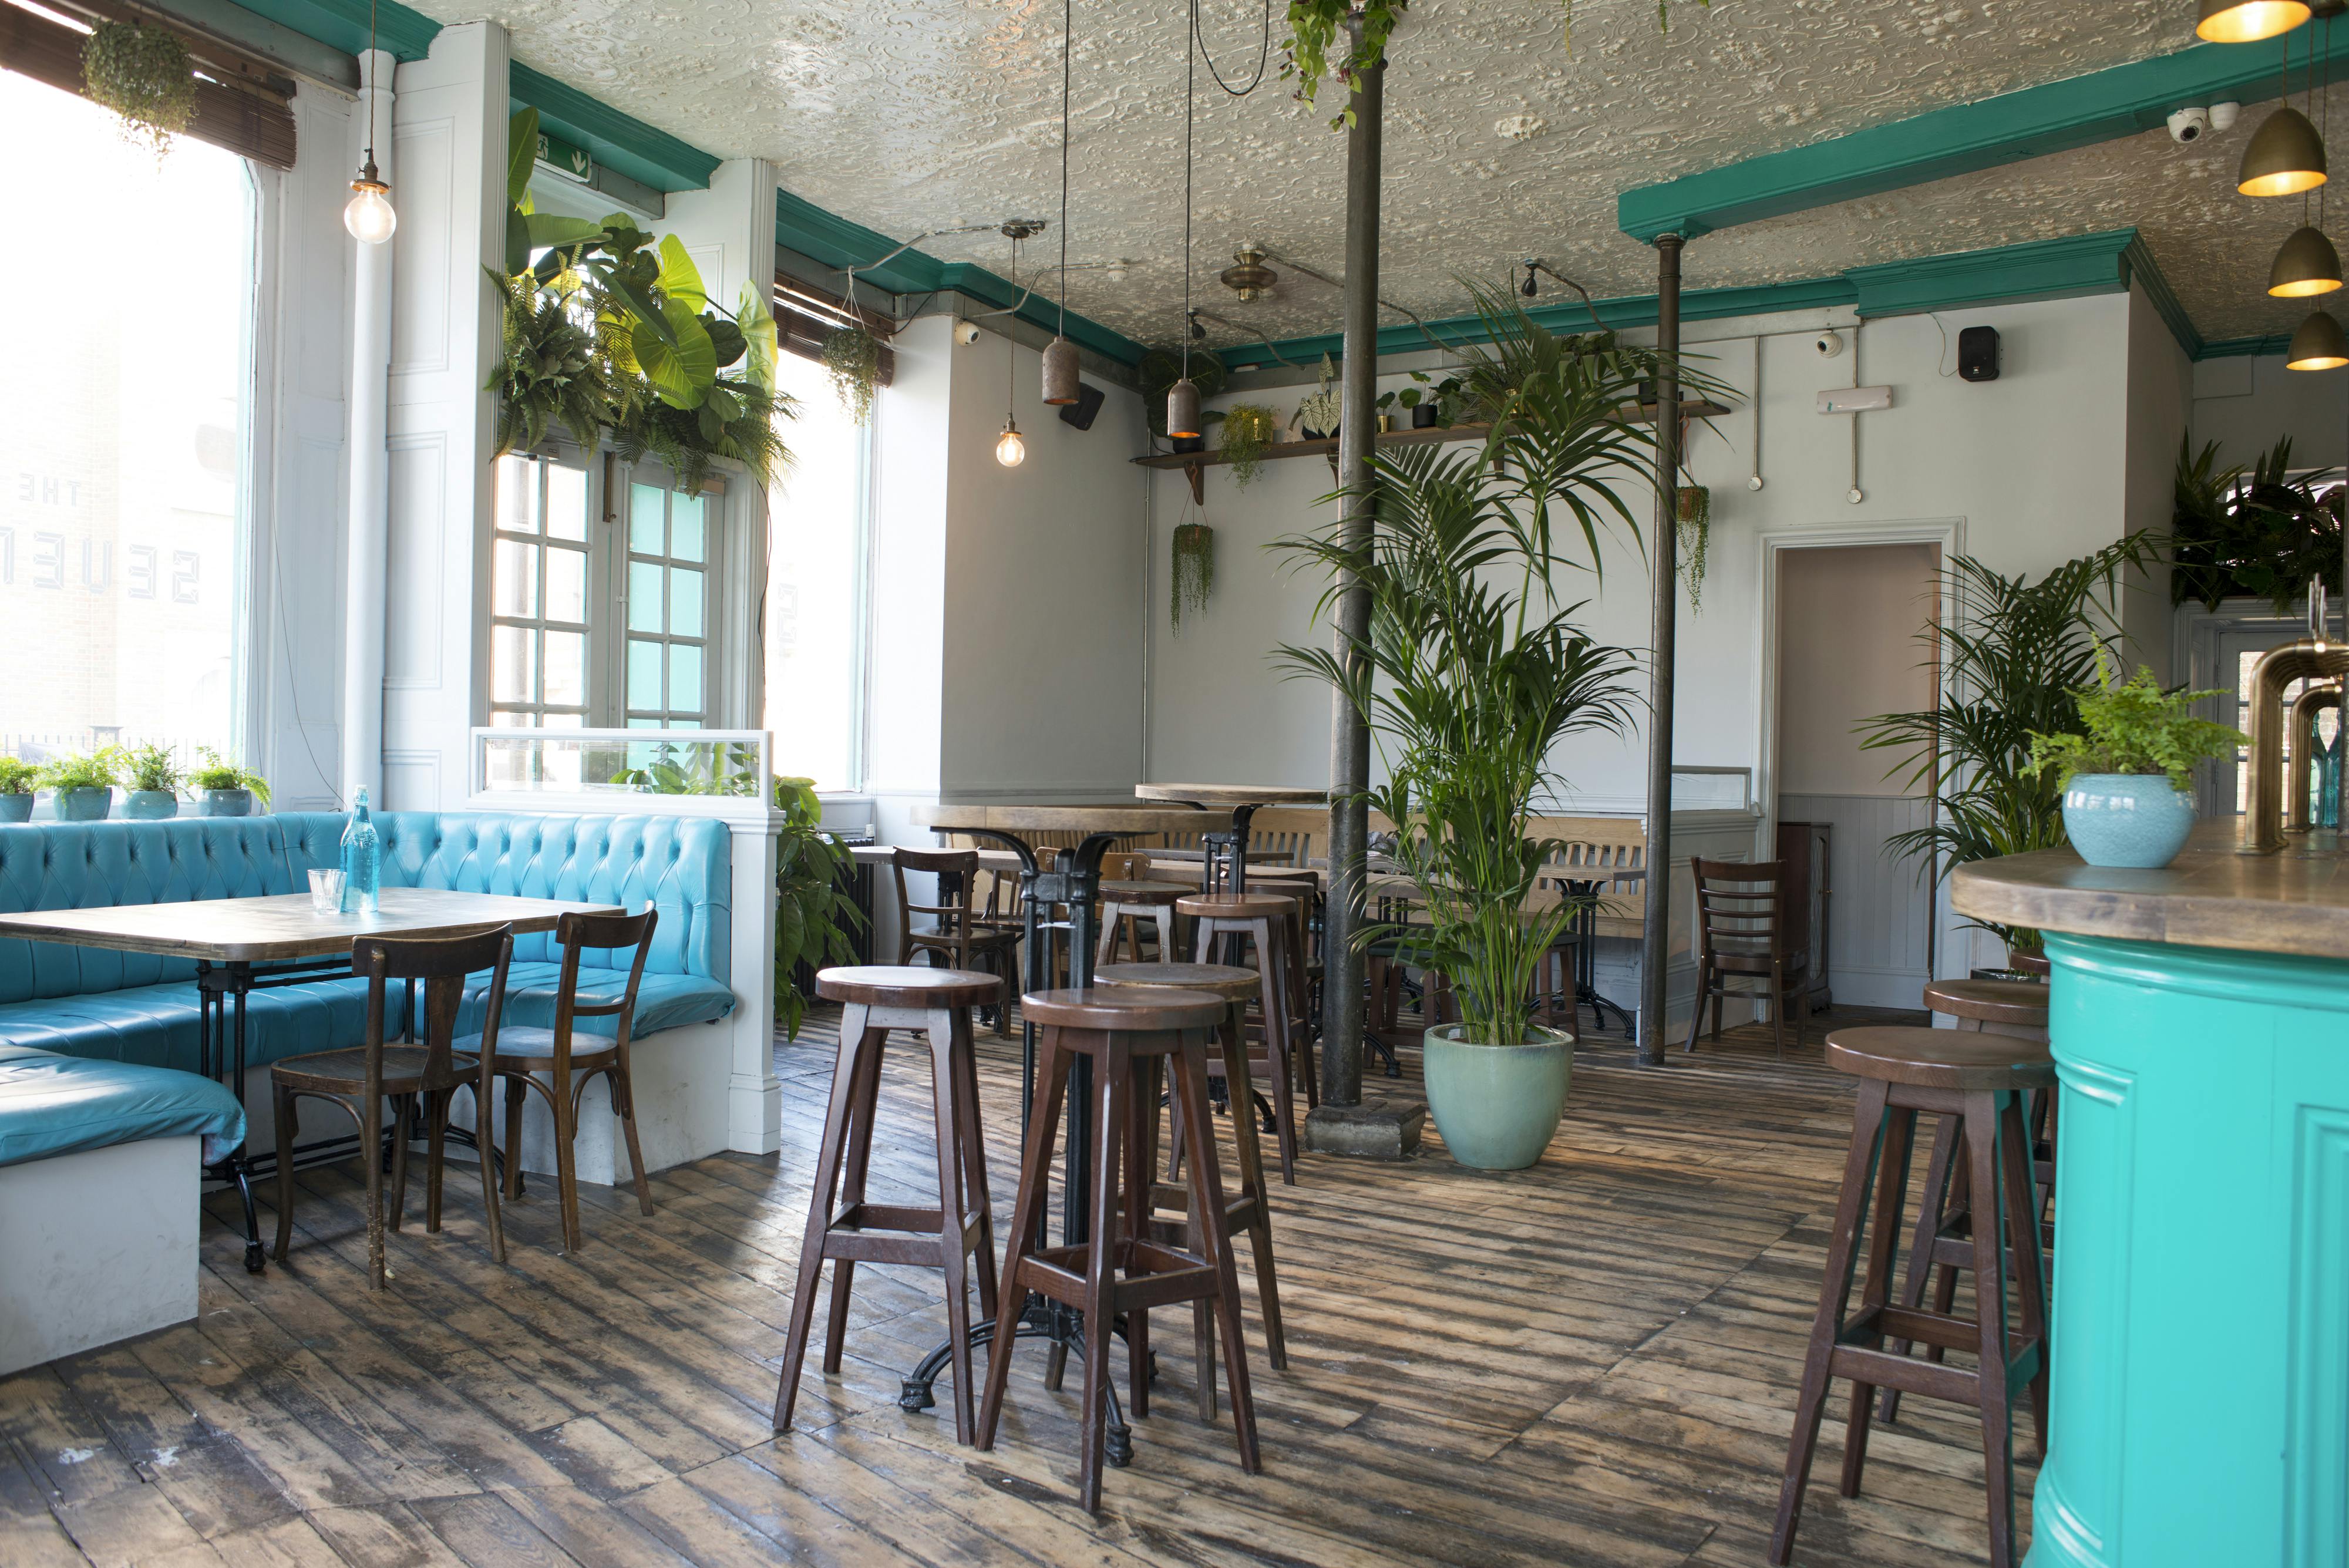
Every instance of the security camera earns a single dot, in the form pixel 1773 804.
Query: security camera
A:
pixel 1828 343
pixel 966 333
pixel 2223 115
pixel 2191 124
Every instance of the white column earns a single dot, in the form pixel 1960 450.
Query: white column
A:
pixel 362 733
pixel 754 1095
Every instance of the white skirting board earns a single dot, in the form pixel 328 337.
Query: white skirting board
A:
pixel 98 1246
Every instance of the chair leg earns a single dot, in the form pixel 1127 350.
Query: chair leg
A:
pixel 484 1113
pixel 2021 1213
pixel 865 1096
pixel 1026 1226
pixel 1134 1197
pixel 974 1160
pixel 516 1087
pixel 624 1101
pixel 1982 1140
pixel 1207 1205
pixel 948 1033
pixel 1250 1149
pixel 1930 1210
pixel 1113 1090
pixel 567 1156
pixel 827 1181
pixel 1778 1009
pixel 403 1128
pixel 1891 1192
pixel 1703 994
pixel 436 1141
pixel 371 1162
pixel 283 1098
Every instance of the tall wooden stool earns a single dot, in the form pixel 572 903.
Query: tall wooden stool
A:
pixel 1230 926
pixel 936 1002
pixel 1124 905
pixel 1250 1208
pixel 1981 1078
pixel 1128 1031
pixel 1943 1243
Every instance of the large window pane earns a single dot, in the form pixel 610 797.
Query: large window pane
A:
pixel 567 584
pixel 684 602
pixel 644 598
pixel 645 514
pixel 514 579
pixel 123 433
pixel 684 526
pixel 815 594
pixel 565 673
pixel 644 675
pixel 567 502
pixel 513 678
pixel 684 677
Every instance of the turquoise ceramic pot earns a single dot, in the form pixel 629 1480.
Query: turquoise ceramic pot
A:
pixel 83 804
pixel 2137 820
pixel 17 807
pixel 151 804
pixel 228 803
pixel 1497 1105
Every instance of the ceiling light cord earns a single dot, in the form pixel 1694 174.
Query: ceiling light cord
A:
pixel 1068 34
pixel 1190 77
pixel 1264 54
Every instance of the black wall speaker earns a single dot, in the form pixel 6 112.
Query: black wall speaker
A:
pixel 1089 403
pixel 1978 353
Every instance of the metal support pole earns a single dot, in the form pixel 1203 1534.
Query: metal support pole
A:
pixel 1655 934
pixel 1349 737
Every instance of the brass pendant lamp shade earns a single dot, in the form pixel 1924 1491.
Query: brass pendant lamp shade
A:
pixel 2319 345
pixel 2247 21
pixel 2307 264
pixel 2285 157
pixel 1060 371
pixel 1183 408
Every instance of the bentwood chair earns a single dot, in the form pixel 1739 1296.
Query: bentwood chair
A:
pixel 966 936
pixel 361 1077
pixel 522 1054
pixel 1742 932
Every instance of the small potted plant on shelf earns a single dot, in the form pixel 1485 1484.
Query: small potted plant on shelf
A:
pixel 2128 784
pixel 154 779
pixel 18 779
pixel 226 789
pixel 1249 430
pixel 1315 418
pixel 83 788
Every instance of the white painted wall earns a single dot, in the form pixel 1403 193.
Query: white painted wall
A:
pixel 2245 403
pixel 2160 404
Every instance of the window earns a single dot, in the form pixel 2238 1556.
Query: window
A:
pixel 669 633
pixel 122 441
pixel 817 533
pixel 538 595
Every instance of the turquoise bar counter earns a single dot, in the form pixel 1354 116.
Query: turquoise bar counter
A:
pixel 2200 1020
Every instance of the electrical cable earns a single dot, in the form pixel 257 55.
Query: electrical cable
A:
pixel 1068 34
pixel 1263 59
pixel 1190 76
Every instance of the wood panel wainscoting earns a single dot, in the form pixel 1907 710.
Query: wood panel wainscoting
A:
pixel 1591 1362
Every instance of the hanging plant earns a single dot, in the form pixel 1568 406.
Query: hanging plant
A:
pixel 1193 578
pixel 1315 25
pixel 1248 428
pixel 735 420
pixel 1694 506
pixel 550 369
pixel 142 74
pixel 852 358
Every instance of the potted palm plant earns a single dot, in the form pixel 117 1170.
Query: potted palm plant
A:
pixel 1471 671
pixel 82 788
pixel 154 779
pixel 18 779
pixel 2129 783
pixel 226 789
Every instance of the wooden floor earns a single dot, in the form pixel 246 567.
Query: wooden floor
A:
pixel 1591 1362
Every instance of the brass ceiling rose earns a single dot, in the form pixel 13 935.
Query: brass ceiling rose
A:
pixel 1249 277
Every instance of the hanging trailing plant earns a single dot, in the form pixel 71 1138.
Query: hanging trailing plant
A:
pixel 143 75
pixel 736 419
pixel 852 358
pixel 1193 576
pixel 1248 428
pixel 1694 510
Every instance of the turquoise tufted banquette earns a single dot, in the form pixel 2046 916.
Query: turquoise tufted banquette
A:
pixel 141 1009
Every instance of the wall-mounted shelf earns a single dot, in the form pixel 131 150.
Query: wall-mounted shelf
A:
pixel 1195 464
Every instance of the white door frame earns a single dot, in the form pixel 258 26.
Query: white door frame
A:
pixel 1949 535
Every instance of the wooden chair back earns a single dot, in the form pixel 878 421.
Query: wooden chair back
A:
pixel 577 933
pixel 954 915
pixel 1741 909
pixel 441 963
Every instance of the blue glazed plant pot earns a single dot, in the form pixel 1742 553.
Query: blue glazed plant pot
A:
pixel 228 803
pixel 151 804
pixel 2137 820
pixel 84 805
pixel 1497 1105
pixel 17 807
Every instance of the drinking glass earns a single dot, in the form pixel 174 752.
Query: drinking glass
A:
pixel 326 891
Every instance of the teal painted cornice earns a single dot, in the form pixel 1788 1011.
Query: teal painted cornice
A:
pixel 836 242
pixel 1958 139
pixel 2039 269
pixel 618 140
pixel 343 23
pixel 2148 277
pixel 2243 347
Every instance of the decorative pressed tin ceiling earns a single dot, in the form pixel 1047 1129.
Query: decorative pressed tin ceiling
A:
pixel 1501 143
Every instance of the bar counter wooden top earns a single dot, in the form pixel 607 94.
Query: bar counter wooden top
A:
pixel 2295 901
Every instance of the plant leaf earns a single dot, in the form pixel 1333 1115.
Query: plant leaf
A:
pixel 517 242
pixel 679 279
pixel 550 231
pixel 522 157
pixel 758 325
pixel 642 311
pixel 682 369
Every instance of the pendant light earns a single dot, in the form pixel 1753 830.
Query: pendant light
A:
pixel 2307 264
pixel 2247 21
pixel 2285 156
pixel 2319 345
pixel 1183 398
pixel 1012 447
pixel 369 214
pixel 1060 355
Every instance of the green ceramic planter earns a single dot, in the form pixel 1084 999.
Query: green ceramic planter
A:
pixel 228 803
pixel 151 804
pixel 83 804
pixel 1497 1105
pixel 17 807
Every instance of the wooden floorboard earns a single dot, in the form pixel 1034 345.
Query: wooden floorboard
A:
pixel 1591 1362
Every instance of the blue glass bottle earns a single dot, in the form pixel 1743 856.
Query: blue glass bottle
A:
pixel 362 860
pixel 2328 761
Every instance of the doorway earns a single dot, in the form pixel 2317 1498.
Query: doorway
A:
pixel 1848 650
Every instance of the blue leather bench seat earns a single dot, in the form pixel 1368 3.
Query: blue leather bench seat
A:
pixel 52 1104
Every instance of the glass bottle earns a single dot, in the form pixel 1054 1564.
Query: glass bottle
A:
pixel 362 860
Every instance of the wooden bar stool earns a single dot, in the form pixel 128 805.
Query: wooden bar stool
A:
pixel 936 1002
pixel 1229 927
pixel 1981 1078
pixel 1124 905
pixel 1120 1269
pixel 1250 1208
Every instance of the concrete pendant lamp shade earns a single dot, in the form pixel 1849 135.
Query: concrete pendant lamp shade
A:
pixel 1059 372
pixel 1183 408
pixel 2286 156
pixel 2307 264
pixel 2247 21
pixel 2319 345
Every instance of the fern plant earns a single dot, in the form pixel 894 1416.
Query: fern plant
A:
pixel 150 767
pixel 2134 727
pixel 217 773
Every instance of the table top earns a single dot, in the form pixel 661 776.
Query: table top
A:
pixel 1235 795
pixel 2293 902
pixel 948 817
pixel 284 926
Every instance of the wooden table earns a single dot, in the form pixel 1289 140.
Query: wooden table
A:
pixel 228 937
pixel 1244 801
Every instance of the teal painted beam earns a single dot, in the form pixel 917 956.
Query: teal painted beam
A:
pixel 1960 140
pixel 618 141
pixel 2039 269
pixel 343 23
